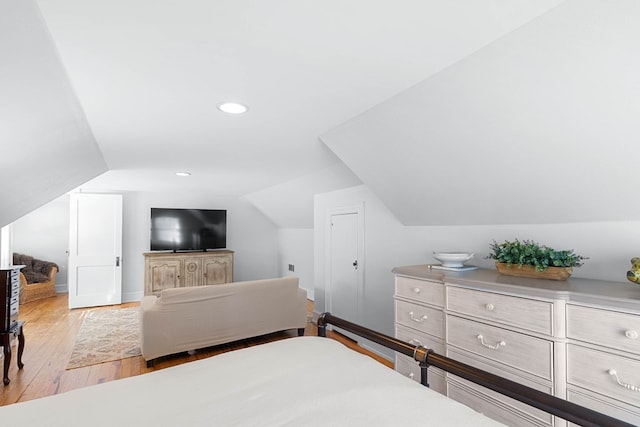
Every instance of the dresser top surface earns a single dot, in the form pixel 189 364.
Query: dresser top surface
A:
pixel 621 294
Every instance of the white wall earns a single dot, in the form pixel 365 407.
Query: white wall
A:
pixel 295 246
pixel 388 243
pixel 44 234
pixel 5 245
pixel 252 237
pixel 290 204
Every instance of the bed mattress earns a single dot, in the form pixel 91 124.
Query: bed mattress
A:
pixel 302 381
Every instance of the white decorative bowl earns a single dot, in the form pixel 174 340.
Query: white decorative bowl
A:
pixel 453 259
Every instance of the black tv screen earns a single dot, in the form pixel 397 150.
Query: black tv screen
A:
pixel 188 229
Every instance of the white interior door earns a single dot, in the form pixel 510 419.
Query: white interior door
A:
pixel 95 250
pixel 345 271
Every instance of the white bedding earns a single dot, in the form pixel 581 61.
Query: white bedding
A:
pixel 303 381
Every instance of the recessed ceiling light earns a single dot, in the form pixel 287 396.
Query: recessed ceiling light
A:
pixel 232 108
pixel 183 173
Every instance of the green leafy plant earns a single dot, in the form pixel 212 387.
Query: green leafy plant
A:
pixel 527 252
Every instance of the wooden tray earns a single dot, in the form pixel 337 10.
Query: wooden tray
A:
pixel 551 273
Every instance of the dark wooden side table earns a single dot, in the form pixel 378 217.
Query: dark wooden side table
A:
pixel 10 326
pixel 15 331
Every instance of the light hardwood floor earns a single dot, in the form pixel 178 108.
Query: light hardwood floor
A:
pixel 50 330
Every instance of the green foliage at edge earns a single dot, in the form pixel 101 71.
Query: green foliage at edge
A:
pixel 527 252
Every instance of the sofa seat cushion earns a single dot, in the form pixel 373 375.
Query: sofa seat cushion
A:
pixel 35 277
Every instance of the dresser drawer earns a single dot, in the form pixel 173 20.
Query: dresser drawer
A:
pixel 414 337
pixel 465 393
pixel 620 331
pixel 15 288
pixel 519 351
pixel 591 369
pixel 602 404
pixel 411 369
pixel 425 319
pixel 420 290
pixel 523 313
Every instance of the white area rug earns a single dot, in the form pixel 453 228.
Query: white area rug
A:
pixel 107 335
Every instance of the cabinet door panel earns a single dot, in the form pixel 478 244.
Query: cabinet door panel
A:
pixel 218 270
pixel 164 274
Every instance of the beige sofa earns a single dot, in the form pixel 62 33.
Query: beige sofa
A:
pixel 184 319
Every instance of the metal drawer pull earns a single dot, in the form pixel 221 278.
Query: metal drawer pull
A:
pixel 419 320
pixel 415 342
pixel 492 347
pixel 489 307
pixel 410 375
pixel 613 373
pixel 631 334
pixel 416 290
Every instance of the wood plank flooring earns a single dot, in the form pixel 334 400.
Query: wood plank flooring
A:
pixel 50 331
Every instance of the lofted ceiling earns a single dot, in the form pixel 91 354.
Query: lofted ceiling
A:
pixel 149 74
pixel 540 126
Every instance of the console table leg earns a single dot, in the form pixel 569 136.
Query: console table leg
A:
pixel 6 342
pixel 20 347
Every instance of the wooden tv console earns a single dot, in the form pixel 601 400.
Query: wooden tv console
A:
pixel 164 270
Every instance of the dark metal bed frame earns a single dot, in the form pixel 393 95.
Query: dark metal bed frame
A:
pixel 425 357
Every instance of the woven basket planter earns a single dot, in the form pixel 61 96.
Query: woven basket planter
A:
pixel 551 273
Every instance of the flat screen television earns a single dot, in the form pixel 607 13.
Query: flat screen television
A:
pixel 188 229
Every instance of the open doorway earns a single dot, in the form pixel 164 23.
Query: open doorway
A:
pixel 44 234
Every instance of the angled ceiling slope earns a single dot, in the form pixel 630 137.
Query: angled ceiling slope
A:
pixel 538 127
pixel 290 205
pixel 47 145
pixel 149 74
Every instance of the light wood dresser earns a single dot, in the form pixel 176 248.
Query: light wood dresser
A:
pixel 163 270
pixel 578 339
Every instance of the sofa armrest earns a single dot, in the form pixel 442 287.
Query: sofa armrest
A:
pixel 52 274
pixel 147 302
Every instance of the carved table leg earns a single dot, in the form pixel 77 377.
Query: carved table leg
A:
pixel 20 346
pixel 6 342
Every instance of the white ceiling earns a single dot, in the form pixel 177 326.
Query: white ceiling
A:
pixel 540 126
pixel 149 74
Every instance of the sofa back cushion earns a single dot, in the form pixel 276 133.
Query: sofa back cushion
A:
pixel 288 285
pixel 21 259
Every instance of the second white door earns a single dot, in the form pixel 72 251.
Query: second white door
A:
pixel 345 280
